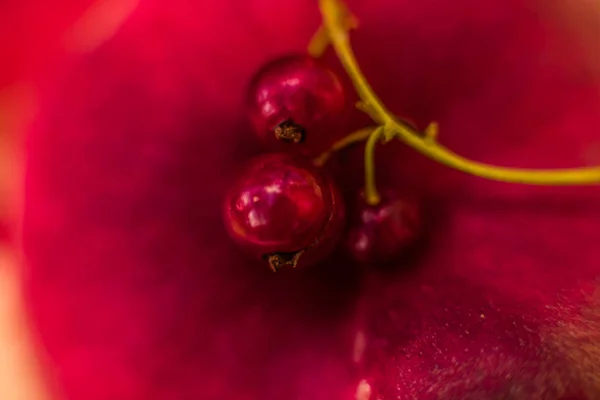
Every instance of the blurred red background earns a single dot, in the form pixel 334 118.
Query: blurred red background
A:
pixel 498 270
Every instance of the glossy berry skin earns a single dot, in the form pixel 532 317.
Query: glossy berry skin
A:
pixel 296 103
pixel 382 233
pixel 284 211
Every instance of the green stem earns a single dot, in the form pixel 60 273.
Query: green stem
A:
pixel 371 194
pixel 335 16
pixel 355 137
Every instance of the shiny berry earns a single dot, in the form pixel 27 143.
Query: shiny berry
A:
pixel 296 103
pixel 285 211
pixel 382 233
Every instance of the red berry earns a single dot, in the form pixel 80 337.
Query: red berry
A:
pixel 296 102
pixel 284 210
pixel 382 233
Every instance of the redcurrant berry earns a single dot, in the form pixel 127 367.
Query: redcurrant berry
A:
pixel 296 101
pixel 284 210
pixel 381 233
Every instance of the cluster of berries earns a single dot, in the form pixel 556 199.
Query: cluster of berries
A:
pixel 284 208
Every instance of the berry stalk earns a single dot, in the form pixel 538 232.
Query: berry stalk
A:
pixel 355 137
pixel 337 21
pixel 371 194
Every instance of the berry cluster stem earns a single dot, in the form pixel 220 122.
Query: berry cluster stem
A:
pixel 355 137
pixel 337 21
pixel 371 194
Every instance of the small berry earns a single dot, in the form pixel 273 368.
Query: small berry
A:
pixel 284 210
pixel 296 101
pixel 382 233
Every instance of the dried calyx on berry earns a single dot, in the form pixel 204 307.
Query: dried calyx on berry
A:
pixel 280 260
pixel 288 131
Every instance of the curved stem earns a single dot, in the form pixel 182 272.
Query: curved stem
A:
pixel 355 137
pixel 334 14
pixel 371 194
pixel 319 42
pixel 321 39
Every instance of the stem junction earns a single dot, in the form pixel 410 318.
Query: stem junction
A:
pixel 337 21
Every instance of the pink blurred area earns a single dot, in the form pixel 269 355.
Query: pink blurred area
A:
pixel 136 290
pixel 32 35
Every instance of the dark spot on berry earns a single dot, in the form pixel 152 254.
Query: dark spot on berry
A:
pixel 290 132
pixel 279 260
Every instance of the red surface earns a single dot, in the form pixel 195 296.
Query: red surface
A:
pixel 139 294
pixel 31 35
